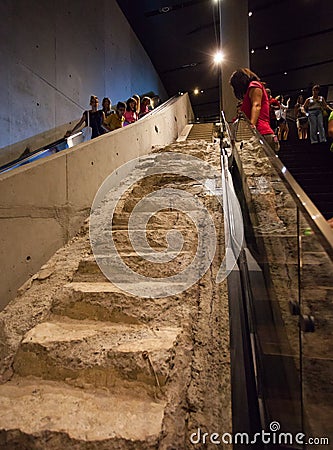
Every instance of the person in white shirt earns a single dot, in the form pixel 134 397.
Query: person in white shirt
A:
pixel 314 106
pixel 281 115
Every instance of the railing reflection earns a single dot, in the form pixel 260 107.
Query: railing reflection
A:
pixel 293 245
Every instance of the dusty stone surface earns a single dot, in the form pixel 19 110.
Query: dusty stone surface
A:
pixel 34 301
pixel 85 364
pixel 99 416
pixel 93 352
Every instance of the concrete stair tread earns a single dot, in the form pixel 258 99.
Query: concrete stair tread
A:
pixel 97 353
pixel 111 336
pixel 103 301
pixel 133 254
pixel 34 406
pixel 201 131
pixel 91 287
pixel 117 268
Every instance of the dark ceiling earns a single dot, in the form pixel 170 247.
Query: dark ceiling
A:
pixel 290 44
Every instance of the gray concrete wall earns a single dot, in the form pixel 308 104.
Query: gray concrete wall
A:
pixel 43 204
pixel 54 55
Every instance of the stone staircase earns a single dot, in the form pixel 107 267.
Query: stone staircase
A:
pixel 94 372
pixel 88 365
pixel 201 131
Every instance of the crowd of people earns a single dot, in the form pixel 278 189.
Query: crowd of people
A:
pixel 269 114
pixel 266 113
pixel 95 122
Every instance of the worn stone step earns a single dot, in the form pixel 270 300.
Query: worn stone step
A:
pixel 176 199
pixel 104 301
pixel 161 219
pixel 97 353
pixel 201 131
pixel 52 415
pixel 114 270
pixel 192 186
pixel 158 240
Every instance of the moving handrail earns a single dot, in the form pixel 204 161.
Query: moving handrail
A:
pixel 24 159
pixel 311 212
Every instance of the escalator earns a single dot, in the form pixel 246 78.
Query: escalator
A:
pixel 312 167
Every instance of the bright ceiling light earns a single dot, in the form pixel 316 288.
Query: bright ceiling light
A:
pixel 218 57
pixel 196 91
pixel 266 47
pixel 250 13
pixel 252 51
pixel 165 9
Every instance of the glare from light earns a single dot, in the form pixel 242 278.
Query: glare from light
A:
pixel 218 57
pixel 201 92
pixel 252 51
pixel 285 73
pixel 250 13
pixel 266 47
pixel 196 91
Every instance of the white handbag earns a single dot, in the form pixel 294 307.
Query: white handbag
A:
pixel 87 131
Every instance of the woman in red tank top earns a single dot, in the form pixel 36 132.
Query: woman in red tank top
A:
pixel 248 88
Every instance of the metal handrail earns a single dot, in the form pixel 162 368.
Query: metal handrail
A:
pixel 22 158
pixel 316 220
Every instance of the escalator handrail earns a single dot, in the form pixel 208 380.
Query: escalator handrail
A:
pixel 23 158
pixel 316 220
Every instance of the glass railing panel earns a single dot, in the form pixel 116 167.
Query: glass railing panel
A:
pixel 297 263
pixel 316 323
pixel 272 235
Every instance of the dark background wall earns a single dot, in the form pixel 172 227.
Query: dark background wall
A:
pixel 299 36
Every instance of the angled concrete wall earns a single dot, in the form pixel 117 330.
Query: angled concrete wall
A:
pixel 54 55
pixel 44 203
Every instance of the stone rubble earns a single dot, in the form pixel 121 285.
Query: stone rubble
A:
pixel 86 364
